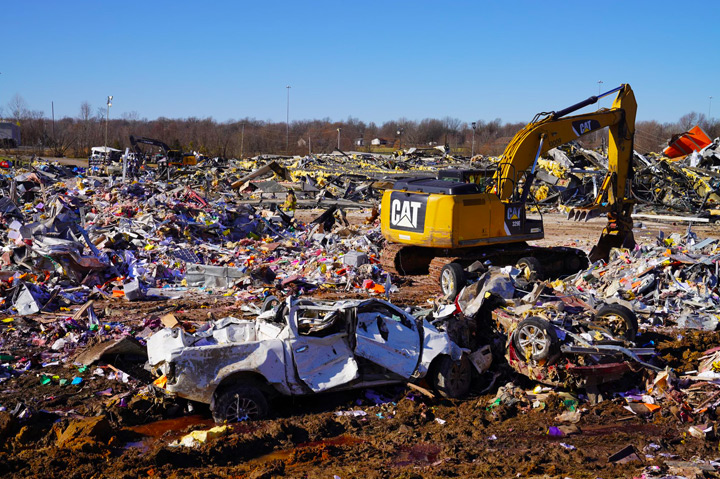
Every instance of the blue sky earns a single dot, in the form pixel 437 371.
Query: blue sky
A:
pixel 375 61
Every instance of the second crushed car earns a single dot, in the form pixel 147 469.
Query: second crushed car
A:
pixel 304 347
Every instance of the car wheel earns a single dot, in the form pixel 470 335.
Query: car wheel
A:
pixel 239 403
pixel 452 280
pixel 451 379
pixel 534 338
pixel 269 303
pixel 620 321
pixel 530 269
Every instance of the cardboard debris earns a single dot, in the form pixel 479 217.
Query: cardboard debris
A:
pixel 113 347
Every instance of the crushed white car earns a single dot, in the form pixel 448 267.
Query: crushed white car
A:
pixel 305 347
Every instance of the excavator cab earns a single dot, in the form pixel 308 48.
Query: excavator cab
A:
pixel 481 177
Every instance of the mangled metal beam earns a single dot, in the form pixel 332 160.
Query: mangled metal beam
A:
pixel 273 166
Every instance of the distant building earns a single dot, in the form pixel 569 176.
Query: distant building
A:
pixel 379 142
pixel 9 135
pixel 360 141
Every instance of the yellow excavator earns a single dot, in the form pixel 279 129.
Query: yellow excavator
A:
pixel 449 230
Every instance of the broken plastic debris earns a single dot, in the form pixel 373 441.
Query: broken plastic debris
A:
pixel 196 438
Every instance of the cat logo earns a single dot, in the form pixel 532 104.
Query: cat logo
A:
pixel 582 127
pixel 513 213
pixel 407 212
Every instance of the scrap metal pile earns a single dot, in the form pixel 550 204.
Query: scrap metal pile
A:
pixel 602 324
pixel 567 177
pixel 687 185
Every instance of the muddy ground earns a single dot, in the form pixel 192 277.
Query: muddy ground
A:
pixel 104 427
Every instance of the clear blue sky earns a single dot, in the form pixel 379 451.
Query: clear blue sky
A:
pixel 374 61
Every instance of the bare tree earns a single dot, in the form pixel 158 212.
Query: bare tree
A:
pixel 18 107
pixel 85 127
pixel 689 120
pixel 431 131
pixel 65 137
pixel 130 116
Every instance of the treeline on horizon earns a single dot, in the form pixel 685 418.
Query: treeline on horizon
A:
pixel 74 137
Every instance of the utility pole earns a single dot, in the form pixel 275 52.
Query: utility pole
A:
pixel 52 105
pixel 287 122
pixel 242 140
pixel 709 107
pixel 339 130
pixel 472 151
pixel 107 120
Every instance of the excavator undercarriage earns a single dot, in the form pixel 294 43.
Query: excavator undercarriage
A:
pixel 428 263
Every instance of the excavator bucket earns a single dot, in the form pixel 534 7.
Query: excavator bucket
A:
pixel 608 241
pixel 617 234
pixel 586 213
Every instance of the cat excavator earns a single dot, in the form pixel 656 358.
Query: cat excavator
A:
pixel 450 230
pixel 174 157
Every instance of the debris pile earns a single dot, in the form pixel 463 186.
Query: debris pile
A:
pixel 670 284
pixel 687 184
pixel 92 267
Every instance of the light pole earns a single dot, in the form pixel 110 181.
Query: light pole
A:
pixel 107 120
pixel 287 122
pixel 600 82
pixel 399 134
pixel 339 130
pixel 242 140
pixel 472 151
pixel 709 107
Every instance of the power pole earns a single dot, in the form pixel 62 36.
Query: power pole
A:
pixel 242 140
pixel 472 151
pixel 709 107
pixel 287 122
pixel 107 120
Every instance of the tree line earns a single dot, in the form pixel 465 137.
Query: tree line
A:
pixel 74 137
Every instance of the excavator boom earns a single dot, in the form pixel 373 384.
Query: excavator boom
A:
pixel 175 157
pixel 556 129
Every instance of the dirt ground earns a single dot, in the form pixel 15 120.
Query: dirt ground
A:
pixel 105 427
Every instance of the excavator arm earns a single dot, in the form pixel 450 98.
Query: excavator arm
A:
pixel 149 141
pixel 518 162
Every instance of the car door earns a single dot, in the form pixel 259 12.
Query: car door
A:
pixel 387 337
pixel 323 361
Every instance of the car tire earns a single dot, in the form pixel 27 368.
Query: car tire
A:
pixel 452 280
pixel 619 320
pixel 270 302
pixel 450 378
pixel 535 339
pixel 239 403
pixel 576 261
pixel 530 269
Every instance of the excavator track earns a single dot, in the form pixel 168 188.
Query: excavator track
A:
pixel 394 255
pixel 435 268
pixel 405 260
pixel 425 268
pixel 387 257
